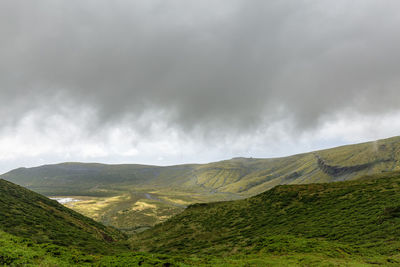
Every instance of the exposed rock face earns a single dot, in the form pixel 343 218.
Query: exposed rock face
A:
pixel 337 171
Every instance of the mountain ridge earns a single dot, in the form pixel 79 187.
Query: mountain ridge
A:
pixel 246 176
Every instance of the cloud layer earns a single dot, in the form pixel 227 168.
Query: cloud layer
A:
pixel 202 70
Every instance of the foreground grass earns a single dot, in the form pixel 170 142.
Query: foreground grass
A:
pixel 17 251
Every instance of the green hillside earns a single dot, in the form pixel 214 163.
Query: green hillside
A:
pixel 135 197
pixel 92 178
pixel 353 220
pixel 17 251
pixel 27 214
pixel 245 176
pixel 37 231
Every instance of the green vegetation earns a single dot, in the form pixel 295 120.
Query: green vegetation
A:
pixel 238 176
pixel 358 221
pixel 27 214
pixel 35 230
pixel 17 251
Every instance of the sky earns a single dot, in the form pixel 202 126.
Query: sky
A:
pixel 176 81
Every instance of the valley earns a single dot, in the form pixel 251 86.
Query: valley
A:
pixel 135 211
pixel 135 197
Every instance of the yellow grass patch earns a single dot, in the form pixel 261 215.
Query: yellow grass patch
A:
pixel 140 206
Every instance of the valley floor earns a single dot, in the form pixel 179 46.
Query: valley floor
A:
pixel 139 208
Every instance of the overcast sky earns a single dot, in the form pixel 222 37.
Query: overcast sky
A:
pixel 169 82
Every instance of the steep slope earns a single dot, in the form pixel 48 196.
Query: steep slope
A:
pixel 27 214
pixel 339 219
pixel 37 231
pixel 252 176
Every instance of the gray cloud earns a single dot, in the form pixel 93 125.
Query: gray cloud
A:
pixel 227 65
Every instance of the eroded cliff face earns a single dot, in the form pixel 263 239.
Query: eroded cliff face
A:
pixel 337 171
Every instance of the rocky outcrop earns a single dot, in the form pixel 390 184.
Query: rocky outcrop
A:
pixel 337 171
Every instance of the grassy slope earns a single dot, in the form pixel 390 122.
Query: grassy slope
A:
pixel 27 214
pixel 113 191
pixel 358 220
pixel 17 251
pixel 91 178
pixel 244 176
pixel 35 230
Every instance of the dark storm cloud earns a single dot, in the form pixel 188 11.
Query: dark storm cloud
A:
pixel 234 64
